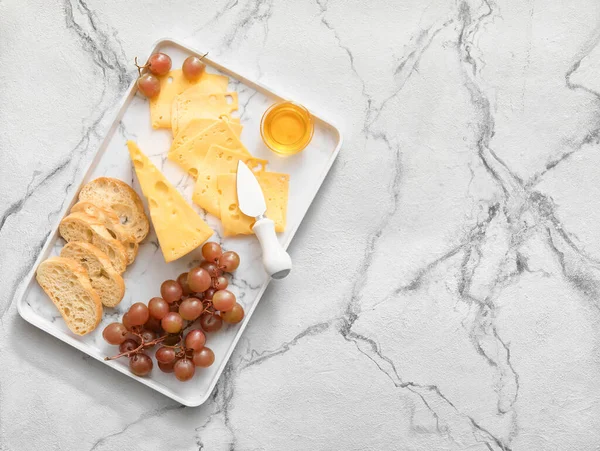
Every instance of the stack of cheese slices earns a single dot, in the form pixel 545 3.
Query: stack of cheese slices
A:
pixel 207 146
pixel 103 231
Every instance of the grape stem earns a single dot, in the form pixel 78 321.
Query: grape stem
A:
pixel 142 345
pixel 148 344
pixel 139 68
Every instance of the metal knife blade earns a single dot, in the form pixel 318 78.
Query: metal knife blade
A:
pixel 250 196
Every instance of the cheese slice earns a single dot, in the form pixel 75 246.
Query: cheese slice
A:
pixel 175 83
pixel 275 187
pixel 190 155
pixel 197 126
pixel 194 102
pixel 178 227
pixel 219 160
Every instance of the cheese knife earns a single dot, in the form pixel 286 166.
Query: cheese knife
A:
pixel 251 201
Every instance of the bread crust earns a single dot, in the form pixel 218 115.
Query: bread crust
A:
pixel 66 283
pixel 107 282
pixel 120 198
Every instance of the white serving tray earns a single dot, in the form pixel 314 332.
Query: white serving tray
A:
pixel 143 278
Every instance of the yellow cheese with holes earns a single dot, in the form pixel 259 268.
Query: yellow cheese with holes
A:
pixel 194 102
pixel 178 227
pixel 275 187
pixel 219 160
pixel 175 83
pixel 190 155
pixel 197 126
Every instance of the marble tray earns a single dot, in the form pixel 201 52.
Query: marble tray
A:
pixel 307 171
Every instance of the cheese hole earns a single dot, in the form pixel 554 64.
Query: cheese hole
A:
pixel 174 212
pixel 232 207
pixel 170 80
pixel 152 203
pixel 229 141
pixel 193 172
pixel 161 187
pixel 229 158
pixel 138 164
pixel 208 177
pixel 229 99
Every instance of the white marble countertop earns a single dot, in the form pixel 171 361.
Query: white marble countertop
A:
pixel 447 281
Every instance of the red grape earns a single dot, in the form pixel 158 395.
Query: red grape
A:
pixel 190 309
pixel 229 261
pixel 140 364
pixel 211 251
pixel 184 369
pixel 128 345
pixel 235 315
pixel 148 335
pixel 115 333
pixel 223 300
pixel 167 367
pixel 198 279
pixel 171 291
pixel 172 322
pixel 153 324
pixel 212 268
pixel 148 85
pixel 210 322
pixel 195 339
pixel 126 322
pixel 193 68
pixel 158 308
pixel 220 283
pixel 182 280
pixel 204 357
pixel 208 294
pixel 138 314
pixel 159 63
pixel 165 355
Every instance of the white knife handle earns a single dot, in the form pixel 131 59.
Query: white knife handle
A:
pixel 277 261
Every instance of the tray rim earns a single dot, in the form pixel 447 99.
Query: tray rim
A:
pixel 102 148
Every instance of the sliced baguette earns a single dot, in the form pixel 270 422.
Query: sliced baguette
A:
pixel 121 199
pixel 112 223
pixel 66 282
pixel 104 279
pixel 81 227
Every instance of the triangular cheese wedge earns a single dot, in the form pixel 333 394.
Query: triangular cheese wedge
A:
pixel 190 155
pixel 219 160
pixel 275 187
pixel 178 227
pixel 197 126
pixel 175 83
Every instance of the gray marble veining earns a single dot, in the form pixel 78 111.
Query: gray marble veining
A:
pixel 446 283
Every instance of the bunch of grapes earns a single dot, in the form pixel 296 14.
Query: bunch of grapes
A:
pixel 199 296
pixel 160 64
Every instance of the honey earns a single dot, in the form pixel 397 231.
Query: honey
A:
pixel 286 128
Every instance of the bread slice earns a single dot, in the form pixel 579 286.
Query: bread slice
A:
pixel 112 223
pixel 118 197
pixel 81 227
pixel 66 282
pixel 105 280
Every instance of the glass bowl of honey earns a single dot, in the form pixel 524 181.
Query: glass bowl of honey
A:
pixel 286 128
